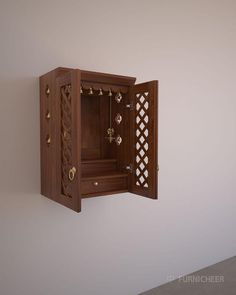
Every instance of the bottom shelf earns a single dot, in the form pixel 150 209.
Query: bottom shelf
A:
pixel 103 184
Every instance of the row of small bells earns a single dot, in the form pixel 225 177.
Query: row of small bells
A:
pixel 118 118
pixel 118 96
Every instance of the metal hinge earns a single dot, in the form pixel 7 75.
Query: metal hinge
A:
pixel 129 168
pixel 130 106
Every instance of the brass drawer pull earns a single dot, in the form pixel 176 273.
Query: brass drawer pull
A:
pixel 72 172
pixel 95 183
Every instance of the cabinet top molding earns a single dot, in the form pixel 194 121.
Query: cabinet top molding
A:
pixel 99 77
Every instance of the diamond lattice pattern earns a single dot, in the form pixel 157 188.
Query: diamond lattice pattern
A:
pixel 141 139
pixel 66 139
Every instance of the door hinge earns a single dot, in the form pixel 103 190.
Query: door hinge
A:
pixel 130 106
pixel 129 168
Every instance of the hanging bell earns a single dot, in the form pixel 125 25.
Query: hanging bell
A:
pixel 100 92
pixel 81 90
pixel 48 115
pixel 47 90
pixel 90 91
pixel 48 140
pixel 110 92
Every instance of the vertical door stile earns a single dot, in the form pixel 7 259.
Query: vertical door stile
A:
pixel 69 140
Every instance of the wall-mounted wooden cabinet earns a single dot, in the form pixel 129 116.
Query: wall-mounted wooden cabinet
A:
pixel 98 136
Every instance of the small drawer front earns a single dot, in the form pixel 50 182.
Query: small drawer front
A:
pixel 103 185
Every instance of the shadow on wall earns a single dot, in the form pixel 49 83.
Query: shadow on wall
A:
pixel 19 129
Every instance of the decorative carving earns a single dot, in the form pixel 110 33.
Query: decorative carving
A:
pixel 141 139
pixel 66 139
pixel 110 132
pixel 118 139
pixel 118 97
pixel 118 119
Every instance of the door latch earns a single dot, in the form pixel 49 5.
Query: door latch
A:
pixel 129 168
pixel 130 106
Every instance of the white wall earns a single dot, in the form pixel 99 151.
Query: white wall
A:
pixel 122 244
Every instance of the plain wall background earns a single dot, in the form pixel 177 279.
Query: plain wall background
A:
pixel 123 244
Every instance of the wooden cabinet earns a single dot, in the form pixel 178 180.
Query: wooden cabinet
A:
pixel 98 136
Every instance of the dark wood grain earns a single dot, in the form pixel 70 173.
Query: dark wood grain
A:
pixel 48 104
pixel 73 198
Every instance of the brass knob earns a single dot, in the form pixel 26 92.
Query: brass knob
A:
pixel 48 140
pixel 72 172
pixel 95 183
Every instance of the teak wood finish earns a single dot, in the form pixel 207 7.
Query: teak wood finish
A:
pixel 77 160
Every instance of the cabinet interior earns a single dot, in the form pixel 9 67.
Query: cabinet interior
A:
pixel 101 158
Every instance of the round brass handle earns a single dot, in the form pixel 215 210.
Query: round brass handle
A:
pixel 95 183
pixel 72 172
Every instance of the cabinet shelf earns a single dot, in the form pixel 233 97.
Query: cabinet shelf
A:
pixel 107 175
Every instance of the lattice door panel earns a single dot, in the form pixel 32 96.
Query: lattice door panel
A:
pixel 144 139
pixel 69 140
pixel 141 139
pixel 66 140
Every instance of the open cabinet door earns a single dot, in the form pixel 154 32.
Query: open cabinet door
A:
pixel 69 140
pixel 144 139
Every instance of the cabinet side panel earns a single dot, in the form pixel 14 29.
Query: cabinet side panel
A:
pixel 46 134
